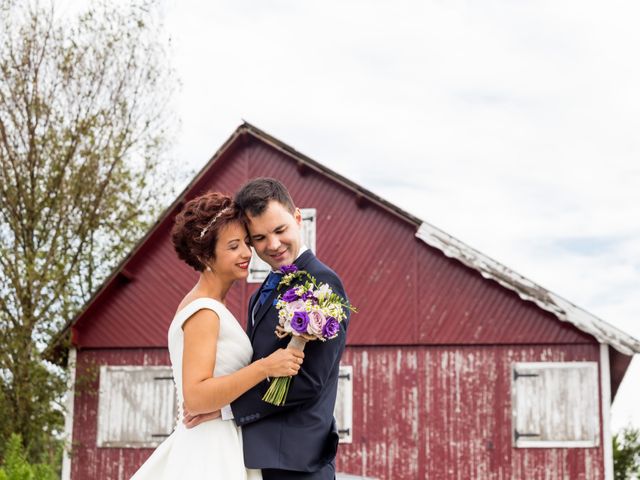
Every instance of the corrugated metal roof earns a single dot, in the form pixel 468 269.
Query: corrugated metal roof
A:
pixel 528 290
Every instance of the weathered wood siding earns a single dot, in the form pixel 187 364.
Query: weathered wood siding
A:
pixel 89 462
pixel 445 413
pixel 418 412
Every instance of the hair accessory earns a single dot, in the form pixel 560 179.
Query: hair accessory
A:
pixel 213 220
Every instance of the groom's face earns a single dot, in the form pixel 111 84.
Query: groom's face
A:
pixel 275 234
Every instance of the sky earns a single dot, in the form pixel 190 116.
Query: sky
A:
pixel 512 125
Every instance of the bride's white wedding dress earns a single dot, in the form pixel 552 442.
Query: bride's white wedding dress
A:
pixel 213 449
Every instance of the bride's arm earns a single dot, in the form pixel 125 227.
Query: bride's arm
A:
pixel 204 393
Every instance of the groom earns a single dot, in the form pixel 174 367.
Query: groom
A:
pixel 298 440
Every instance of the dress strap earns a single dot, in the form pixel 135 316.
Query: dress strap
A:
pixel 196 305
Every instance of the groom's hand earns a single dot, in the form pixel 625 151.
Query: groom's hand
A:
pixel 191 421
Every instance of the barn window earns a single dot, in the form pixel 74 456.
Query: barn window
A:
pixel 344 404
pixel 555 404
pixel 136 406
pixel 258 269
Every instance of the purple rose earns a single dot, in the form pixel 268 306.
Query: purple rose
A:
pixel 287 269
pixel 290 295
pixel 330 328
pixel 309 295
pixel 300 321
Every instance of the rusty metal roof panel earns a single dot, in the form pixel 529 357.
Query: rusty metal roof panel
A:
pixel 527 290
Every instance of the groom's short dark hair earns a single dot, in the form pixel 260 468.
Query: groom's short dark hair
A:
pixel 255 195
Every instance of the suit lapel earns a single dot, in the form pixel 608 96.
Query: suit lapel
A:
pixel 304 259
pixel 252 303
pixel 301 263
pixel 264 308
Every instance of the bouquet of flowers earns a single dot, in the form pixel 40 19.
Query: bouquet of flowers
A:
pixel 306 312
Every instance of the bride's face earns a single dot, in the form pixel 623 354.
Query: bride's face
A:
pixel 232 252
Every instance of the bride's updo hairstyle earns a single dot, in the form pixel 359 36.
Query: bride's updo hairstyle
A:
pixel 197 227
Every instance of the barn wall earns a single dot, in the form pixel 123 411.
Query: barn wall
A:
pixel 445 412
pixel 372 249
pixel 454 399
pixel 419 412
pixel 387 271
pixel 458 306
pixel 391 276
pixel 89 462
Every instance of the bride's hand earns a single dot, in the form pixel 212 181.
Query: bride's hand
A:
pixel 284 362
pixel 191 421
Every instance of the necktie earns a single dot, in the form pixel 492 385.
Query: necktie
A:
pixel 272 282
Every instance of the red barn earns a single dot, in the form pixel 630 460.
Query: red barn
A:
pixel 456 366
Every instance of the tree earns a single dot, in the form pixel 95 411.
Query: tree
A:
pixel 626 454
pixel 83 129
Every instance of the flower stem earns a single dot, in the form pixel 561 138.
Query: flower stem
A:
pixel 277 392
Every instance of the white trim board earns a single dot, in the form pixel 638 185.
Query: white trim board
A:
pixel 68 417
pixel 605 389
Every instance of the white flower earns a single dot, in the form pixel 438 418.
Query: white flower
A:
pixel 295 306
pixel 323 291
pixel 287 326
pixel 282 317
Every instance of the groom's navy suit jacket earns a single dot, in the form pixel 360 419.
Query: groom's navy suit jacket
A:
pixel 300 435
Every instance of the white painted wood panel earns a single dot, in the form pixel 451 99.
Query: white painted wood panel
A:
pixel 555 404
pixel 343 411
pixel 136 406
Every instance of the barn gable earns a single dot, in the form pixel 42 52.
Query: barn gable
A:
pixel 386 257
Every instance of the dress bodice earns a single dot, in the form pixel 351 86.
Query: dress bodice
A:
pixel 233 350
pixel 212 449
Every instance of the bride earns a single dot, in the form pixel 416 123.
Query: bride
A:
pixel 210 352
